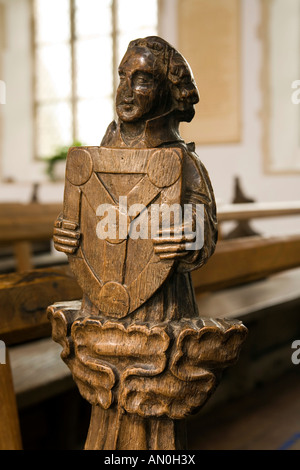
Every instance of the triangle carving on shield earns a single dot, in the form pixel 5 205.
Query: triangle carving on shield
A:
pixel 99 176
pixel 114 181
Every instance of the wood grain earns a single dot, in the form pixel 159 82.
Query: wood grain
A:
pixel 10 435
pixel 24 299
pixel 258 210
pixel 123 368
pixel 19 222
pixel 136 346
pixel 254 258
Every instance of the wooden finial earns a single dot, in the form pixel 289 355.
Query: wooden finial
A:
pixel 139 215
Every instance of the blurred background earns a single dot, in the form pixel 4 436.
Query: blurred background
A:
pixel 58 69
pixel 58 78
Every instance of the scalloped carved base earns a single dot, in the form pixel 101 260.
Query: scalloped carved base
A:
pixel 143 379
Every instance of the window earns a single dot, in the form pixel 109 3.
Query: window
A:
pixel 78 45
pixel 280 73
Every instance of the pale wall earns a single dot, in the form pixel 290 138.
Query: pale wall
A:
pixel 245 159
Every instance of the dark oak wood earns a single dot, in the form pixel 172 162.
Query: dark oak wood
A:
pixel 23 256
pixel 23 303
pixel 10 434
pixel 27 222
pixel 124 372
pixel 24 298
pixel 38 372
pixel 136 346
pixel 254 258
pixel 23 224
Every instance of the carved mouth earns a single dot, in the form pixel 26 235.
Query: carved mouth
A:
pixel 127 106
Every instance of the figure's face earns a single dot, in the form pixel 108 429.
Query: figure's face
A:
pixel 137 95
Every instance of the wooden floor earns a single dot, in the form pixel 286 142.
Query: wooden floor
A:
pixel 267 419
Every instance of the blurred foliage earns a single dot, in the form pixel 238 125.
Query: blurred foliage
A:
pixel 60 155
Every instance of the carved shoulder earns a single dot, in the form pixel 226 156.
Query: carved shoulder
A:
pixel 109 134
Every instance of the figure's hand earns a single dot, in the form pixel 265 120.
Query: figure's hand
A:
pixel 66 236
pixel 173 243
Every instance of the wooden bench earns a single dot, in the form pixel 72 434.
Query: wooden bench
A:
pixel 24 298
pixel 23 302
pixel 246 260
pixel 23 224
pixel 258 210
pixel 39 374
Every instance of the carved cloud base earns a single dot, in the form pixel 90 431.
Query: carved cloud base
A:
pixel 143 379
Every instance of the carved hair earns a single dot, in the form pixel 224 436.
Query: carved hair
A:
pixel 176 71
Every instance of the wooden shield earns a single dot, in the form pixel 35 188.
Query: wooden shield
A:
pixel 119 273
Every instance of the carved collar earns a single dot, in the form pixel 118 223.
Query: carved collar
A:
pixel 158 131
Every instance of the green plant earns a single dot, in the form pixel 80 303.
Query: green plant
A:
pixel 61 154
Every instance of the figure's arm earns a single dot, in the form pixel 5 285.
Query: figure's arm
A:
pixel 194 243
pixel 201 194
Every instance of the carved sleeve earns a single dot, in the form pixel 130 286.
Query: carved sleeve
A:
pixel 198 191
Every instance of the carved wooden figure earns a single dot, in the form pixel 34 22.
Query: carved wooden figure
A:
pixel 136 345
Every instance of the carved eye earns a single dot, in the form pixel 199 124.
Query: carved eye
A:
pixel 142 80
